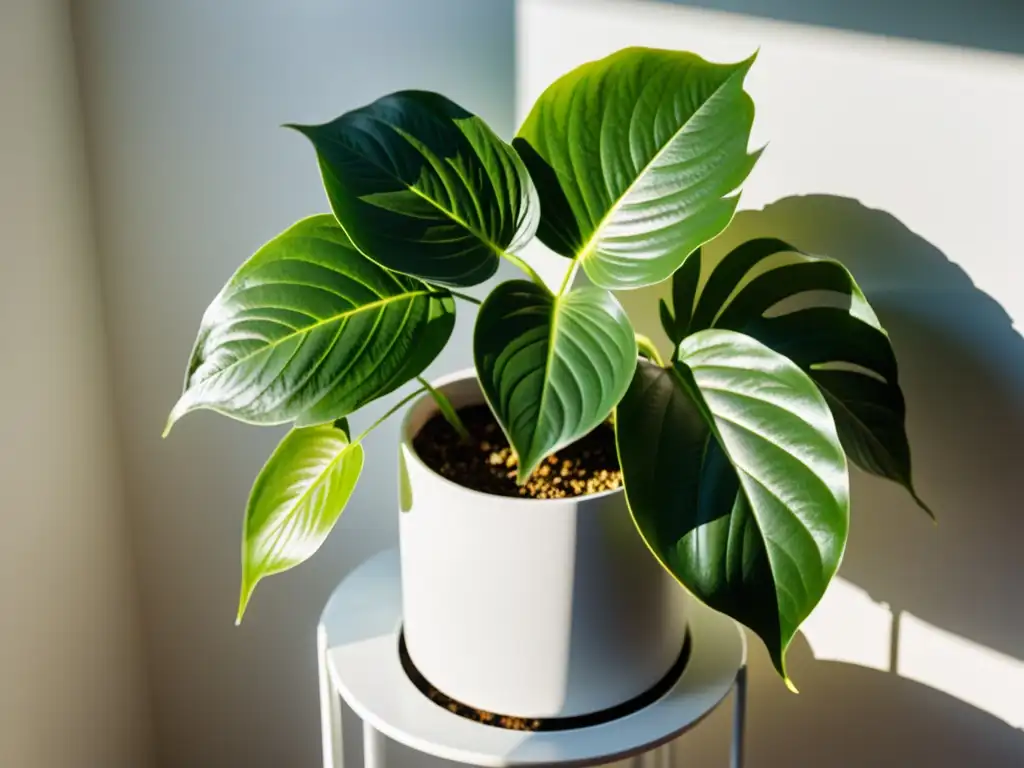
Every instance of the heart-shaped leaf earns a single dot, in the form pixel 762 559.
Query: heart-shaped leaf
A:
pixel 636 158
pixel 551 368
pixel 811 310
pixel 425 188
pixel 310 329
pixel 737 481
pixel 297 498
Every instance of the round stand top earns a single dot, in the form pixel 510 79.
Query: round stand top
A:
pixel 361 625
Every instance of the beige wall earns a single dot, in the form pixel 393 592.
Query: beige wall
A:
pixel 904 160
pixel 72 691
pixel 184 102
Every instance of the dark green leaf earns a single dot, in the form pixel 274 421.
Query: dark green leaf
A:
pixel 297 498
pixel 552 368
pixel 737 481
pixel 310 329
pixel 812 310
pixel 425 188
pixel 684 287
pixel 636 158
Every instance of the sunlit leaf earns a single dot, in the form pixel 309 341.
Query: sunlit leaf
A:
pixel 737 481
pixel 552 368
pixel 637 159
pixel 310 329
pixel 296 500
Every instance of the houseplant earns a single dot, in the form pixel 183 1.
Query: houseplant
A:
pixel 732 450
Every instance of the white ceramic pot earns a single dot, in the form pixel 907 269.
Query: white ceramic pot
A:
pixel 526 607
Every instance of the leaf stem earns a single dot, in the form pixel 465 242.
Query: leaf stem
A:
pixel 447 409
pixel 648 350
pixel 362 435
pixel 465 297
pixel 530 272
pixel 570 275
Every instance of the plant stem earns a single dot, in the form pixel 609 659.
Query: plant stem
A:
pixel 466 297
pixel 447 410
pixel 648 350
pixel 530 272
pixel 391 411
pixel 570 274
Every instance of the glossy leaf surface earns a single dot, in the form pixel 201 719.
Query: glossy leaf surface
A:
pixel 636 158
pixel 551 368
pixel 425 188
pixel 296 500
pixel 737 481
pixel 811 309
pixel 310 329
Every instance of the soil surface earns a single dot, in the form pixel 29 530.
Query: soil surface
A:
pixel 487 463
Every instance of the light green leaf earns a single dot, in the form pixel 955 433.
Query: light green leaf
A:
pixel 737 481
pixel 551 368
pixel 298 497
pixel 811 310
pixel 425 188
pixel 636 158
pixel 309 329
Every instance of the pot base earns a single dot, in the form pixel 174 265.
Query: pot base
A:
pixel 548 724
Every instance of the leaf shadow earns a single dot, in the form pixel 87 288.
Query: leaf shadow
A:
pixel 962 371
pixel 866 717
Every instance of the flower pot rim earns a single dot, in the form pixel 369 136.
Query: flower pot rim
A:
pixel 406 441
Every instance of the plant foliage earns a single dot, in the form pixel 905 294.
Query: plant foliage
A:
pixel 734 451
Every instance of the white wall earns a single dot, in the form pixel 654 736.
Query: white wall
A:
pixel 184 102
pixel 191 173
pixel 72 692
pixel 904 159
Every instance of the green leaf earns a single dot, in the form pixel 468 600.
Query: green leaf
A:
pixel 447 409
pixel 310 329
pixel 551 368
pixel 636 158
pixel 425 188
pixel 737 481
pixel 811 310
pixel 296 500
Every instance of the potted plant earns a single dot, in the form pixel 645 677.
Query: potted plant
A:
pixel 556 496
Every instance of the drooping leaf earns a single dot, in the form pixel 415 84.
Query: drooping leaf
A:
pixel 636 158
pixel 811 309
pixel 551 368
pixel 425 188
pixel 297 498
pixel 736 480
pixel 310 329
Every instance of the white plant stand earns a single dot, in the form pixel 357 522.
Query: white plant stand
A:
pixel 358 640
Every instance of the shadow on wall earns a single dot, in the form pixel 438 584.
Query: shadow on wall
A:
pixel 958 584
pixel 987 24
pixel 865 717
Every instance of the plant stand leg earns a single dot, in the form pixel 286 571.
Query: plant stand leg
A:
pixel 330 708
pixel 659 757
pixel 373 747
pixel 739 717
